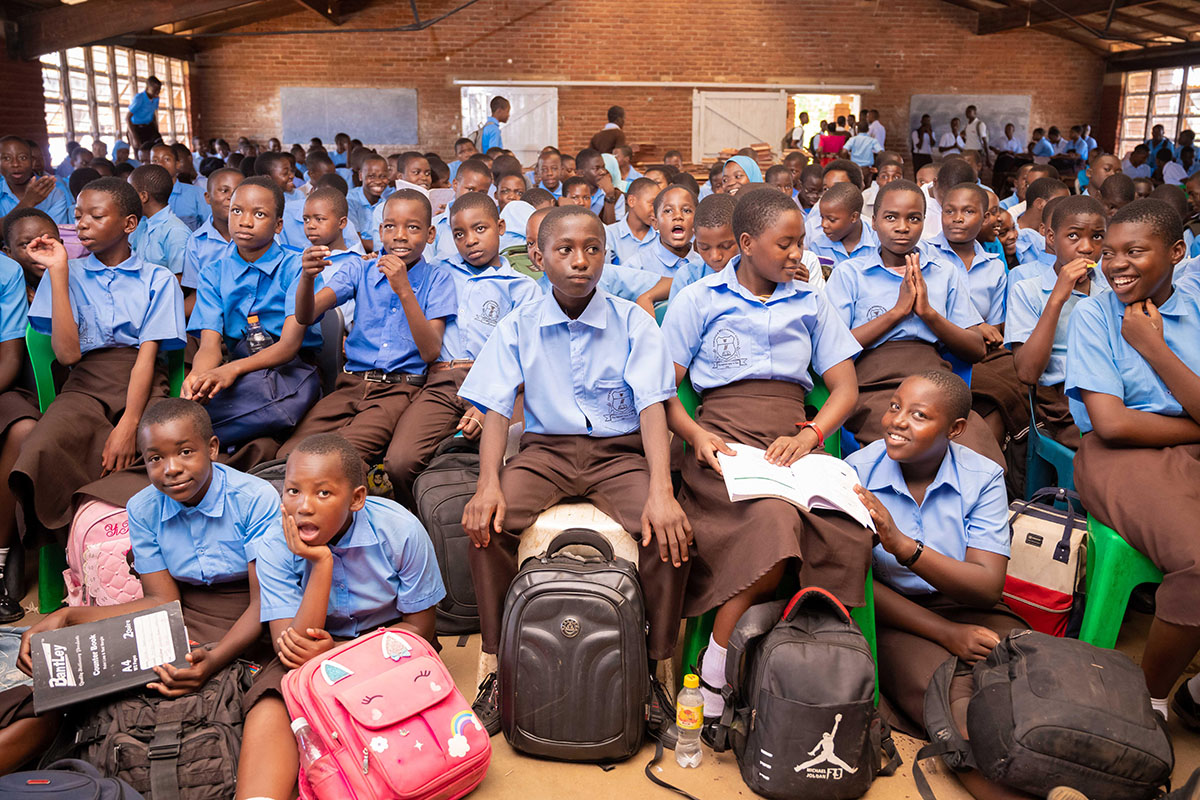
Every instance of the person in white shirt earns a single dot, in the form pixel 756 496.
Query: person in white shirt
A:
pixel 795 137
pixel 952 141
pixel 1009 143
pixel 975 135
pixel 876 129
pixel 923 142
pixel 1174 172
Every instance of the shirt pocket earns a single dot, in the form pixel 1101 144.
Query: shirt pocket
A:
pixel 1142 387
pixel 614 408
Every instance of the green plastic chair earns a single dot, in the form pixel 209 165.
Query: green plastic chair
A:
pixel 1047 462
pixel 1114 568
pixel 51 558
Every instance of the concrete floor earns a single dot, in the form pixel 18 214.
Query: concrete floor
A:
pixel 513 776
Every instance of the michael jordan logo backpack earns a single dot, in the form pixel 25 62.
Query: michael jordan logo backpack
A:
pixel 800 701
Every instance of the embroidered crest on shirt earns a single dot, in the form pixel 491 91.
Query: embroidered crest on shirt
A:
pixel 620 405
pixel 727 350
pixel 875 311
pixel 489 314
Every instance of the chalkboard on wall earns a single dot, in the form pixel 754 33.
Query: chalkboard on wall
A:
pixel 376 116
pixel 996 111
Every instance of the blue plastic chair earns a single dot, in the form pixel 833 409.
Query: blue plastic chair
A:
pixel 1047 462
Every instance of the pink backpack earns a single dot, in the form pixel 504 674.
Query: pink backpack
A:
pixel 387 709
pixel 98 560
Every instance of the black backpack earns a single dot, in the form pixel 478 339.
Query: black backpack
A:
pixel 573 673
pixel 184 748
pixel 441 492
pixel 800 701
pixel 68 779
pixel 1046 712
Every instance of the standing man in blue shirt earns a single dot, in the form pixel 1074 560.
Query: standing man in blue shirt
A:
pixel 489 135
pixel 142 118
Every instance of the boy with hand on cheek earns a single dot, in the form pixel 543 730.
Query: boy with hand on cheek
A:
pixel 613 425
pixel 343 565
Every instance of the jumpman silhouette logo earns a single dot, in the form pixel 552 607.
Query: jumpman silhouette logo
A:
pixel 824 754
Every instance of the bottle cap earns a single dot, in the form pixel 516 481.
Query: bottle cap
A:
pixel 252 318
pixel 298 723
pixel 691 681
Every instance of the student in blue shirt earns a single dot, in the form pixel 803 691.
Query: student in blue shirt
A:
pixel 403 303
pixel 901 307
pixel 161 238
pixel 325 224
pixel 671 249
pixel 256 277
pixel 862 147
pixel 141 120
pixel 748 336
pixel 341 143
pixel 604 408
pixel 1039 308
pixel 607 201
pixel 1030 243
pixel 278 167
pixel 941 513
pixel 195 533
pixel 489 134
pixel 549 172
pixel 464 148
pixel 212 240
pixel 344 565
pixel 627 236
pixel 1133 385
pixel 20 187
pixel 365 198
pixel 187 201
pixel 473 176
pixel 486 288
pixel 842 234
pixel 1041 147
pixel 108 317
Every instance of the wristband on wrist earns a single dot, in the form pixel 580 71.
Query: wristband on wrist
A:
pixel 908 562
pixel 816 430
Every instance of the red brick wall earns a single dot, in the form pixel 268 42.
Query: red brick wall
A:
pixel 902 46
pixel 22 111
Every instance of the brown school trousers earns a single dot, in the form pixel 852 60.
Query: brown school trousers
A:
pixel 612 474
pixel 431 416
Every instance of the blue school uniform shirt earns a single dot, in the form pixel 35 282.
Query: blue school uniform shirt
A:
pixel 590 376
pixel 965 507
pixel 382 339
pixel 235 288
pixel 1042 148
pixel 443 246
pixel 862 148
pixel 292 235
pixel 987 279
pixel 1100 360
pixel 204 247
pixel 830 253
pixel 383 566
pixel 339 260
pixel 722 333
pixel 1031 245
pixel 14 307
pixel 621 245
pixel 212 541
pixel 489 136
pixel 187 201
pixel 1009 201
pixel 338 159
pixel 1156 146
pixel 628 283
pixel 556 191
pixel 143 108
pixel 1026 301
pixel 122 306
pixel 863 288
pixel 162 239
pixel 58 204
pixel 483 297
pixel 655 257
pixel 598 204
pixel 361 211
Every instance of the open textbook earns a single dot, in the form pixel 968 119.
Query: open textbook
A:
pixel 816 481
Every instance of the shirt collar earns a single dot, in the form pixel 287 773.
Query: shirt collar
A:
pixel 211 505
pixel 416 273
pixel 176 189
pixel 361 533
pixel 595 315
pixel 209 231
pixel 268 262
pixel 729 279
pixel 611 125
pixel 666 257
pixel 887 475
pixel 131 264
pixel 493 120
pixel 874 260
pixel 160 217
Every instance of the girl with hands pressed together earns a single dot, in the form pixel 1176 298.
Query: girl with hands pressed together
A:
pixel 749 336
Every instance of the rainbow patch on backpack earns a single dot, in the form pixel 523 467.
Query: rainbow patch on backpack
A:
pixel 458 746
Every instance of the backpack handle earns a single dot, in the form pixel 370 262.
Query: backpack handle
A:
pixel 814 594
pixel 1062 550
pixel 583 536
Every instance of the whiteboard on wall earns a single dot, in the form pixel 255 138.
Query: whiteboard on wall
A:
pixel 375 116
pixel 996 111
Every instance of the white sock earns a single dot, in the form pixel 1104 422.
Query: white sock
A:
pixel 1194 687
pixel 3 558
pixel 712 671
pixel 1159 705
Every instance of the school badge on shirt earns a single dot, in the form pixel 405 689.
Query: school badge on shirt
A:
pixel 727 350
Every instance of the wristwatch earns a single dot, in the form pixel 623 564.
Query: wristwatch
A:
pixel 908 562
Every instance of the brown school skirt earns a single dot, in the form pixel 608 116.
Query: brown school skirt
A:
pixel 907 661
pixel 1054 414
pixel 995 387
pixel 65 450
pixel 15 405
pixel 882 369
pixel 208 612
pixel 1151 496
pixel 363 412
pixel 738 543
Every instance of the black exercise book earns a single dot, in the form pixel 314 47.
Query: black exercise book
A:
pixel 100 658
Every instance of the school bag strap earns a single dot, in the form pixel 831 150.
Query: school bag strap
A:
pixel 755 623
pixel 811 595
pixel 1062 550
pixel 581 536
pixel 456 444
pixel 945 739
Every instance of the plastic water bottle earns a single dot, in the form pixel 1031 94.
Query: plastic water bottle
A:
pixel 256 338
pixel 689 718
pixel 319 767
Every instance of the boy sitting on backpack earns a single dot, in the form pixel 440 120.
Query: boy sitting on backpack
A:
pixel 939 570
pixel 343 565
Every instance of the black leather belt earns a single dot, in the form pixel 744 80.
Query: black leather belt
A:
pixel 379 376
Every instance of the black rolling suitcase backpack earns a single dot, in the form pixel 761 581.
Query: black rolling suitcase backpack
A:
pixel 573 671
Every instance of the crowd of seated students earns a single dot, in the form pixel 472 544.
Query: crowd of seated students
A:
pixel 513 297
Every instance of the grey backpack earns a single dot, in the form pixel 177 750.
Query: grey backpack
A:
pixel 800 701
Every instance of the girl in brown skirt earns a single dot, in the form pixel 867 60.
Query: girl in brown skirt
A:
pixel 1133 380
pixel 108 315
pixel 941 513
pixel 748 336
pixel 901 308
pixel 194 534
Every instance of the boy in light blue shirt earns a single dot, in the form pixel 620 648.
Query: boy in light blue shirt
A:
pixel 862 147
pixel 364 199
pixel 489 135
pixel 212 240
pixel 625 237
pixel 473 176
pixel 549 172
pixel 187 201
pixel 161 238
pixel 674 222
pixel 19 186
pixel 596 373
pixel 842 233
